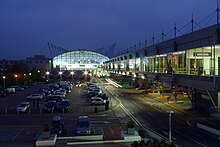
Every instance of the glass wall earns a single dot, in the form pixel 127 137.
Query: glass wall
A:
pixel 179 62
pixel 200 61
pixel 131 64
pixel 161 63
pixel 137 64
pixel 79 59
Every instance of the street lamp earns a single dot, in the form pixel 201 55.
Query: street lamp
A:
pixel 3 81
pixel 16 78
pixel 47 73
pixel 60 73
pixel 72 73
pixel 170 113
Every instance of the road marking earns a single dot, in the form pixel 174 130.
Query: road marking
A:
pixel 130 115
pixel 137 105
pixel 191 139
pixel 105 122
pixel 8 135
pixel 168 135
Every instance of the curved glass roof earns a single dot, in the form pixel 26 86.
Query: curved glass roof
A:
pixel 78 59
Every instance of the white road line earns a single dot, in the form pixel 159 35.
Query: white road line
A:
pixel 137 105
pixel 168 134
pixel 130 115
pixel 106 122
pixel 191 139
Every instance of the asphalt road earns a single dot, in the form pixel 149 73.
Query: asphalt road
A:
pixel 149 113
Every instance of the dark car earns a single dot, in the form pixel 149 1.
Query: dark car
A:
pixel 3 93
pixel 50 106
pixel 57 125
pixel 103 96
pixel 54 98
pixel 64 105
pixel 84 126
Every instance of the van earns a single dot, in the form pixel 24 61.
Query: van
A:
pixel 10 90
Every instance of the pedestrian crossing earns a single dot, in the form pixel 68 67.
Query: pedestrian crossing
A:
pixel 8 135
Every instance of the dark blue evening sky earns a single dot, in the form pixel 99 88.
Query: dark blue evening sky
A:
pixel 27 25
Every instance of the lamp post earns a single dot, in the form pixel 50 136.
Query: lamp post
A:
pixel 170 113
pixel 85 73
pixel 47 73
pixel 3 81
pixel 72 73
pixel 16 78
pixel 60 73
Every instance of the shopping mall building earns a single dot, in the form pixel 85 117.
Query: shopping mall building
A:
pixel 188 63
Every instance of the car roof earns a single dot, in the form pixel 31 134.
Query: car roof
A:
pixel 56 118
pixel 96 98
pixel 83 117
pixel 25 103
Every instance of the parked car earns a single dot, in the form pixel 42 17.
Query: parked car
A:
pixel 83 126
pixel 54 98
pixel 50 106
pixel 93 92
pixel 57 125
pixel 18 88
pixel 58 94
pixel 97 101
pixel 35 96
pixel 10 90
pixel 3 93
pixel 64 105
pixel 103 96
pixel 23 107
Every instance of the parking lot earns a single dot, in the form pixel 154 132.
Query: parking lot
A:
pixel 79 102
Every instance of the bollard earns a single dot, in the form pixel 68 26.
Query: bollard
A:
pixel 52 111
pixel 29 111
pixel 6 111
pixel 96 109
pixel 106 105
pixel 40 110
pixel 63 110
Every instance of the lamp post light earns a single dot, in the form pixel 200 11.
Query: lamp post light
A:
pixel 47 73
pixel 72 73
pixel 4 81
pixel 60 73
pixel 85 73
pixel 170 113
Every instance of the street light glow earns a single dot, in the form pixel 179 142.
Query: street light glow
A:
pixel 47 73
pixel 60 72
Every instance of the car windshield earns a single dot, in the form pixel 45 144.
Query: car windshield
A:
pixel 64 103
pixel 50 104
pixel 35 94
pixel 83 124
pixel 22 105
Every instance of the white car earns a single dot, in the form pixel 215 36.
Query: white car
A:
pixel 58 94
pixel 97 101
pixel 35 96
pixel 23 107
